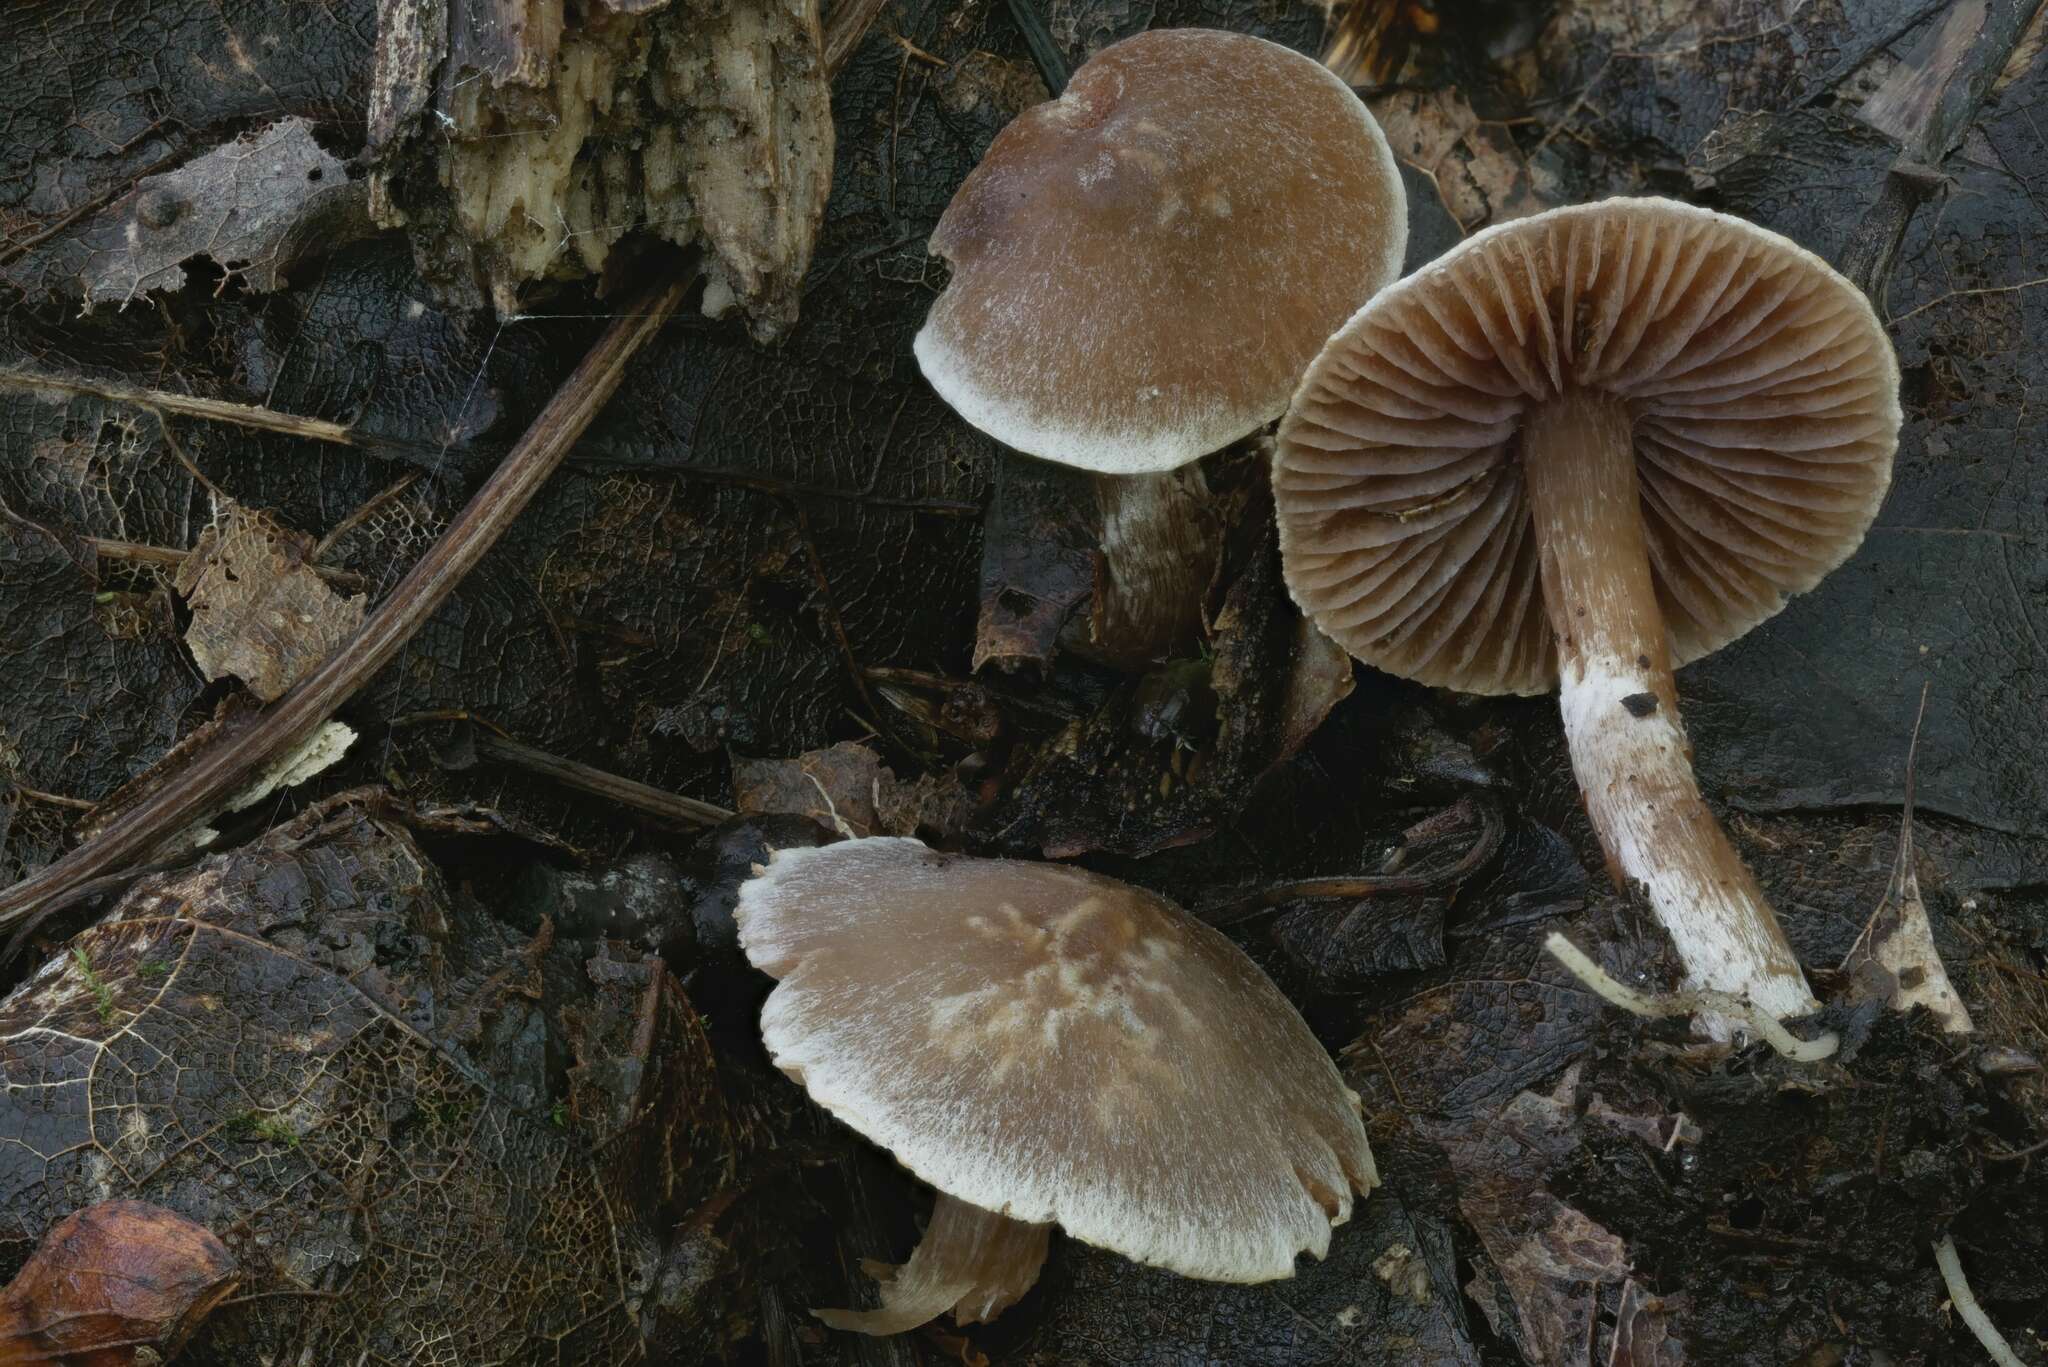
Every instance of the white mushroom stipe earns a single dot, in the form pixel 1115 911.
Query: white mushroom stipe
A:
pixel 1767 1028
pixel 1634 768
pixel 1045 1045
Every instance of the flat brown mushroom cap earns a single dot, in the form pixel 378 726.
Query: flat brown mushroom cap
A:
pixel 1142 267
pixel 1765 398
pixel 1057 1046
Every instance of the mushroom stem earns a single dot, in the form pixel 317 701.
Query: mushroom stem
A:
pixel 1629 751
pixel 1159 552
pixel 971 1261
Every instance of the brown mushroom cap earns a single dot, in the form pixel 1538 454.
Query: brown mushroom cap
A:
pixel 1142 267
pixel 1053 1045
pixel 1765 403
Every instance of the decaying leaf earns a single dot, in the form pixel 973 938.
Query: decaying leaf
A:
pixel 1895 960
pixel 253 206
pixel 1481 173
pixel 259 612
pixel 522 143
pixel 1552 1260
pixel 118 1284
pixel 847 788
pixel 1646 1330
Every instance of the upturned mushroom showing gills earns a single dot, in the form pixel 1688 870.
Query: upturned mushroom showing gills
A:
pixel 1047 1046
pixel 1577 451
pixel 1142 267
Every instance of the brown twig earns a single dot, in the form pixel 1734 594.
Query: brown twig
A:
pixel 364 511
pixel 2013 1155
pixel 849 23
pixel 169 557
pixel 78 804
pixel 641 797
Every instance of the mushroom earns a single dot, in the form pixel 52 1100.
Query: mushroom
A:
pixel 1048 1046
pixel 1577 451
pixel 1140 270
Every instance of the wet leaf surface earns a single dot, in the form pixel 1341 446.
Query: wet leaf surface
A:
pixel 94 686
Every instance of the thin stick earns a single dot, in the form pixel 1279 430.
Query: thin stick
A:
pixel 1966 1305
pixel 364 512
pixel 168 557
pixel 849 24
pixel 1045 54
pixel 185 405
pixel 2014 1155
pixel 641 797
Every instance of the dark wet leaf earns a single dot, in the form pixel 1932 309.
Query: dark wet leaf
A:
pixel 85 120
pixel 1038 566
pixel 96 682
pixel 1100 1310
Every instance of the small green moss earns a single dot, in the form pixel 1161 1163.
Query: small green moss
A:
pixel 256 1127
pixel 152 968
pixel 102 995
pixel 560 1115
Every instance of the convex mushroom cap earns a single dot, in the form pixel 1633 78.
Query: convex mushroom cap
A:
pixel 1045 1045
pixel 1578 450
pixel 1142 267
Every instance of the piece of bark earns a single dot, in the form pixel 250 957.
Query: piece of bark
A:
pixel 519 143
pixel 118 1284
